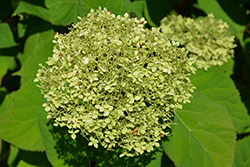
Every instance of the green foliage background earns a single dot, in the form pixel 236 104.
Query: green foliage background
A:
pixel 213 130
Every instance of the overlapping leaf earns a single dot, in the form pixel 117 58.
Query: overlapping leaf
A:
pixel 62 150
pixel 154 11
pixel 6 37
pixel 5 61
pixel 60 12
pixel 18 123
pixel 213 6
pixel 219 88
pixel 242 153
pixel 204 133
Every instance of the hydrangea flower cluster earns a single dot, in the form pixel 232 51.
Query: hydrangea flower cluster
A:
pixel 209 40
pixel 115 82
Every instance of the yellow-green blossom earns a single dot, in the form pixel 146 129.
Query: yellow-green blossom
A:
pixel 115 82
pixel 209 40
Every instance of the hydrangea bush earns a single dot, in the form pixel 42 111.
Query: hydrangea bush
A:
pixel 115 82
pixel 208 40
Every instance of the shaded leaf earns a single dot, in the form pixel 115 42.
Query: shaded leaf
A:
pixel 6 37
pixel 48 140
pixel 33 159
pixel 5 62
pixel 5 9
pixel 154 11
pixel 61 150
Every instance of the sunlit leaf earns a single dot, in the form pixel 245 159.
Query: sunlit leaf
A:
pixel 218 9
pixel 242 153
pixel 219 88
pixel 18 124
pixel 204 132
pixel 203 135
pixel 60 12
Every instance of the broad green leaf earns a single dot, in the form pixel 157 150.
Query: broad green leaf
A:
pixel 156 10
pixel 32 44
pixel 218 9
pixel 60 12
pixel 203 135
pixel 62 150
pixel 18 124
pixel 6 37
pixel 242 153
pixel 48 140
pixel 139 5
pixel 155 159
pixel 219 88
pixel 37 49
pixel 228 67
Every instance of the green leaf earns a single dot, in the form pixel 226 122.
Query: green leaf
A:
pixel 218 8
pixel 155 10
pixel 18 124
pixel 228 67
pixel 34 41
pixel 13 155
pixel 37 49
pixel 60 12
pixel 111 158
pixel 139 5
pixel 5 62
pixel 32 159
pixel 203 135
pixel 242 153
pixel 6 37
pixel 4 97
pixel 48 140
pixel 219 88
pixel 24 164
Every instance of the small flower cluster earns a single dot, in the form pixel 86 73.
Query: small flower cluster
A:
pixel 208 39
pixel 115 82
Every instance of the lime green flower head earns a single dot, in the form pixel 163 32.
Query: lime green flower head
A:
pixel 115 82
pixel 208 40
